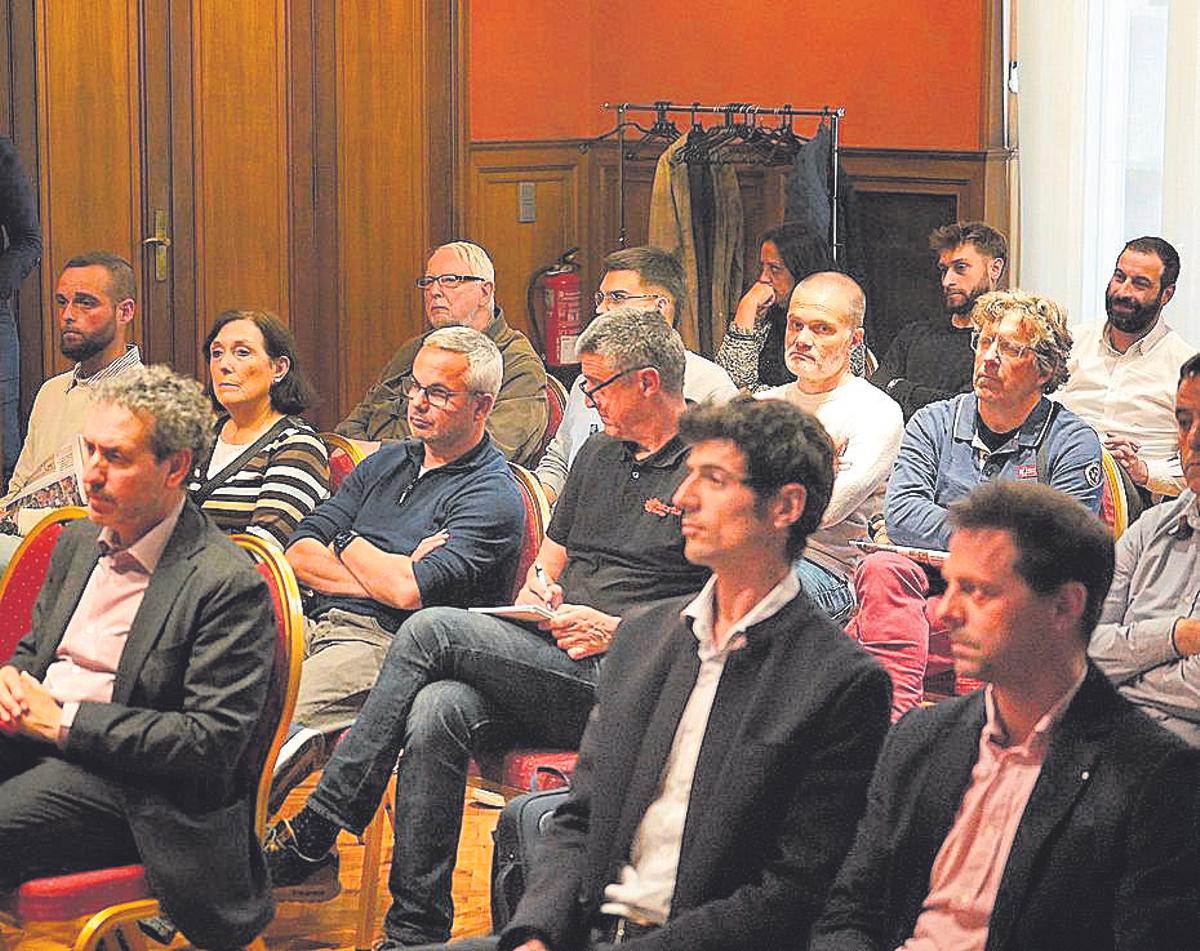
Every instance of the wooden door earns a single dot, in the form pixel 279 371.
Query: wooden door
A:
pixel 297 156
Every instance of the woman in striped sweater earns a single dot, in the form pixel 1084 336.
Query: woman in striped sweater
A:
pixel 268 468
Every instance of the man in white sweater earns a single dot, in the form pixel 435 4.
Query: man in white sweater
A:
pixel 825 318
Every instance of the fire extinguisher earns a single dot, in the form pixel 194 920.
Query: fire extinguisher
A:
pixel 555 316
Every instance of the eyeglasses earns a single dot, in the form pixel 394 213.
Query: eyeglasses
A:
pixel 439 397
pixel 620 297
pixel 590 395
pixel 982 342
pixel 445 280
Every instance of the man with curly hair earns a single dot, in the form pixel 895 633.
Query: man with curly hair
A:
pixel 1005 428
pixel 127 710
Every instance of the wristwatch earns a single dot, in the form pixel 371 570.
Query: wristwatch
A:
pixel 342 540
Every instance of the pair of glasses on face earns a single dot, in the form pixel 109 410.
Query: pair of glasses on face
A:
pixel 589 394
pixel 983 341
pixel 444 280
pixel 617 298
pixel 439 397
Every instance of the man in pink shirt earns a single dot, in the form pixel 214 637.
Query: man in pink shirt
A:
pixel 1043 811
pixel 127 709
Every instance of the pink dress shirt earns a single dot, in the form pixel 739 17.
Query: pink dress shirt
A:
pixel 91 648
pixel 966 874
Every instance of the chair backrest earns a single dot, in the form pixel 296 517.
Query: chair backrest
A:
pixel 556 408
pixel 344 455
pixel 284 684
pixel 23 578
pixel 1114 506
pixel 537 517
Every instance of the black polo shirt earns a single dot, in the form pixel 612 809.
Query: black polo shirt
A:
pixel 621 531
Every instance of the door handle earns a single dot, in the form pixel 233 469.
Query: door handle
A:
pixel 160 241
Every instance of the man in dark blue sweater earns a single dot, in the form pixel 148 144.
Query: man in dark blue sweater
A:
pixel 436 519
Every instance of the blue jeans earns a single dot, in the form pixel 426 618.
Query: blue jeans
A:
pixel 10 385
pixel 832 593
pixel 452 681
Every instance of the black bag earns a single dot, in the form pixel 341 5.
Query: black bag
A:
pixel 517 835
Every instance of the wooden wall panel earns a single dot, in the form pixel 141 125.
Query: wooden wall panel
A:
pixel 240 104
pixel 519 249
pixel 89 168
pixel 383 214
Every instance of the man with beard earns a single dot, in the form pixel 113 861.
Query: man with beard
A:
pixel 1123 371
pixel 932 360
pixel 96 301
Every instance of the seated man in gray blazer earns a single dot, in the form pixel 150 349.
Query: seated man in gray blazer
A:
pixel 726 760
pixel 1044 810
pixel 127 709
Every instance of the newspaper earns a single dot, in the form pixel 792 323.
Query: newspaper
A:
pixel 924 556
pixel 55 483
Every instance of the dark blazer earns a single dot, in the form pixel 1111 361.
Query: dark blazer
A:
pixel 189 690
pixel 798 720
pixel 1105 855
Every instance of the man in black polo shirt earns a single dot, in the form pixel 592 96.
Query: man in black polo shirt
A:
pixel 453 680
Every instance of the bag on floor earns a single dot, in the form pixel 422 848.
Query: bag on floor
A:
pixel 517 835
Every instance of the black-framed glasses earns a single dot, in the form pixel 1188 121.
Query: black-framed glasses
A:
pixel 590 394
pixel 439 397
pixel 445 280
pixel 982 342
pixel 620 297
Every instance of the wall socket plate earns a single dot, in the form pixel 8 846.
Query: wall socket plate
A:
pixel 526 202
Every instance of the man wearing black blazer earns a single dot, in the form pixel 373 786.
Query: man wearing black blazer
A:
pixel 1043 811
pixel 727 757
pixel 128 707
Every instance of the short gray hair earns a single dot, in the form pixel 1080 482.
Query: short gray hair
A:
pixel 631 337
pixel 485 366
pixel 181 414
pixel 1043 320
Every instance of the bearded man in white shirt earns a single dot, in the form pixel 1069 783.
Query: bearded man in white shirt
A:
pixel 1123 371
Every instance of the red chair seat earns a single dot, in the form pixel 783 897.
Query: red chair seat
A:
pixel 62 897
pixel 521 768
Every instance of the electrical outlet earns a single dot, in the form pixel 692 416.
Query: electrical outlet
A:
pixel 526 202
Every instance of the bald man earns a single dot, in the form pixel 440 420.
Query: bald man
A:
pixel 824 324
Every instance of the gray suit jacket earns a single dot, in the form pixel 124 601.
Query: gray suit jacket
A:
pixel 189 690
pixel 1106 854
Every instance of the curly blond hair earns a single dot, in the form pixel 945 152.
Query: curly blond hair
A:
pixel 1044 322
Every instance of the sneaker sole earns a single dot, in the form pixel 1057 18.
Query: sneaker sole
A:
pixel 300 757
pixel 309 893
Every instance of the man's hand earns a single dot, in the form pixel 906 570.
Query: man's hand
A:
pixel 754 306
pixel 13 703
pixel 581 631
pixel 1125 451
pixel 1187 636
pixel 44 718
pixel 27 708
pixel 426 545
pixel 540 590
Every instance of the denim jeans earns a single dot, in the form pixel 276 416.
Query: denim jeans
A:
pixel 10 385
pixel 451 682
pixel 832 593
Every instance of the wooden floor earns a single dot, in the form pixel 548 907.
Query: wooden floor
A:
pixel 332 925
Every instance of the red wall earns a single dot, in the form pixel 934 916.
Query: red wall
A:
pixel 909 72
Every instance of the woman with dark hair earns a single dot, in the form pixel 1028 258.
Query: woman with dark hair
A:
pixel 267 468
pixel 752 351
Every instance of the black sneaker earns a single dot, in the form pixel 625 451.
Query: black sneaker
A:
pixel 296 877
pixel 302 754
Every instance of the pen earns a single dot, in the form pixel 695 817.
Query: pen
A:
pixel 540 573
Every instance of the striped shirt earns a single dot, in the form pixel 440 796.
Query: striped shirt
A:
pixel 270 486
